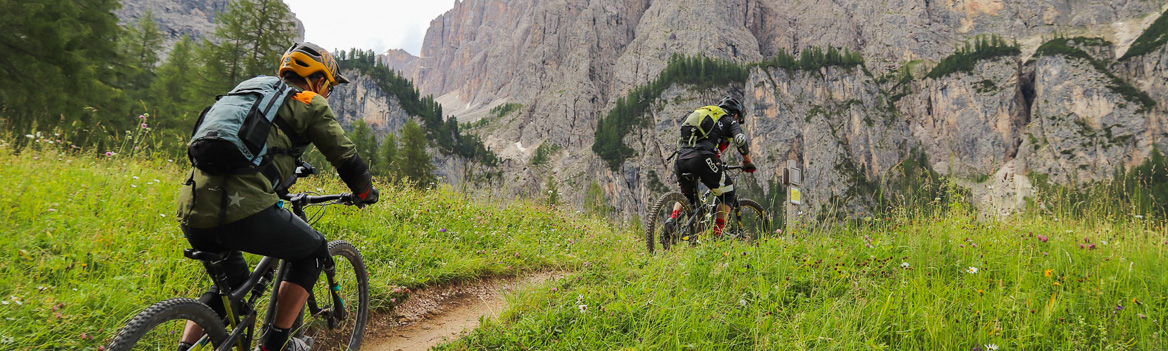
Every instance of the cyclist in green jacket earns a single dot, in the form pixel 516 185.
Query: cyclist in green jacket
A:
pixel 252 221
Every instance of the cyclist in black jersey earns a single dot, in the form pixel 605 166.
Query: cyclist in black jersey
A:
pixel 705 135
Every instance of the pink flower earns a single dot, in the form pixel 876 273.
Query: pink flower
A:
pixel 110 153
pixel 143 125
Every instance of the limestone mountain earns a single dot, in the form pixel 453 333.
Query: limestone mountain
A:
pixel 1074 111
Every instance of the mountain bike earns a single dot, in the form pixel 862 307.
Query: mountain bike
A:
pixel 748 221
pixel 334 315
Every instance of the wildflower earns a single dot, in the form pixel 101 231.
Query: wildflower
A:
pixel 110 153
pixel 143 125
pixel 582 308
pixel 991 346
pixel 1048 272
pixel 443 230
pixel 1118 307
pixel 1139 216
pixel 1091 247
pixel 29 136
pixel 7 340
pixel 972 270
pixel 742 302
pixel 904 265
pixel 1056 284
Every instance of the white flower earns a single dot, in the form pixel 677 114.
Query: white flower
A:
pixel 1139 217
pixel 991 346
pixel 582 308
pixel 7 340
pixel 972 270
pixel 742 302
pixel 904 265
pixel 135 177
pixel 162 215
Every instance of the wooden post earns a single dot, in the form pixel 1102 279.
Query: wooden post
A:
pixel 793 179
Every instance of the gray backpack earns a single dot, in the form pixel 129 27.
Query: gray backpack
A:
pixel 230 136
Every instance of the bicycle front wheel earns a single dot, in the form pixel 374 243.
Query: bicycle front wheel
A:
pixel 160 326
pixel 660 231
pixel 336 315
pixel 753 223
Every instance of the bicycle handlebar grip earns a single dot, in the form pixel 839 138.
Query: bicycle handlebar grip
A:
pixel 303 169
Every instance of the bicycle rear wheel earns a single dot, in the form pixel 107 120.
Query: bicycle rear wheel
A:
pixel 159 326
pixel 339 324
pixel 657 235
pixel 753 223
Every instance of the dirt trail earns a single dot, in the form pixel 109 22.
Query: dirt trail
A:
pixel 438 314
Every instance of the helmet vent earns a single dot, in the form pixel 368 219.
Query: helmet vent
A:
pixel 309 50
pixel 301 63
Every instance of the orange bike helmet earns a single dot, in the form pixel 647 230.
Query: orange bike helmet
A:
pixel 306 59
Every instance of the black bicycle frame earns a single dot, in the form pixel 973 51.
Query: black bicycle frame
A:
pixel 711 206
pixel 259 280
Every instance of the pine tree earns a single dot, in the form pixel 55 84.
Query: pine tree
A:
pixel 59 58
pixel 387 158
pixel 172 95
pixel 595 202
pixel 553 192
pixel 414 162
pixel 253 36
pixel 140 44
pixel 366 142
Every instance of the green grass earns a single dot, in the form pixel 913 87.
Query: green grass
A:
pixel 88 245
pixel 889 285
pixel 90 241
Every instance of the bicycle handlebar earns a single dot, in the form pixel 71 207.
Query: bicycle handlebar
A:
pixel 302 199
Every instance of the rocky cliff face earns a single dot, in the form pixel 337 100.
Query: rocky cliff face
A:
pixel 969 123
pixel 1082 130
pixel 567 61
pixel 363 99
pixel 193 18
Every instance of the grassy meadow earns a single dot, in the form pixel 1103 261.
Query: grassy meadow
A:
pixel 90 240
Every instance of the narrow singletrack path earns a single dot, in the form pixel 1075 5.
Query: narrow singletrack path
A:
pixel 435 315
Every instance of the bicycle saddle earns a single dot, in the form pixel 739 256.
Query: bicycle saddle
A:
pixel 204 255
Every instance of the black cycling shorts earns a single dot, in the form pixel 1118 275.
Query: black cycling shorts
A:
pixel 272 232
pixel 711 171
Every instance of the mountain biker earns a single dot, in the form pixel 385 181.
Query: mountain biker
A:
pixel 705 135
pixel 252 221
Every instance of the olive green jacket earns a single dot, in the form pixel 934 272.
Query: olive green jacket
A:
pixel 312 119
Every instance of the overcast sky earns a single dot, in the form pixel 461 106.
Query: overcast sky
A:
pixel 368 24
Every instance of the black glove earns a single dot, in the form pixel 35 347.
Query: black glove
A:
pixel 368 197
pixel 749 167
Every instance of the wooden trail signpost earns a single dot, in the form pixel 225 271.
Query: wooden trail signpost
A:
pixel 793 180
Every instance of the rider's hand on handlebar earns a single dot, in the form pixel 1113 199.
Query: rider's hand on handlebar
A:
pixel 749 167
pixel 368 197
